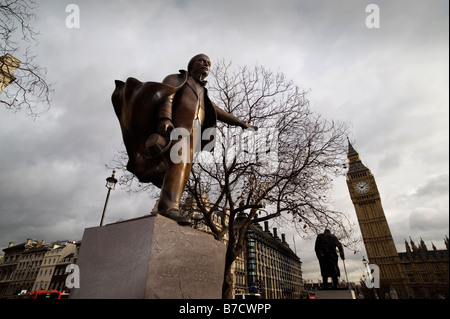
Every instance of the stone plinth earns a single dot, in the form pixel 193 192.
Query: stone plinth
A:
pixel 151 257
pixel 336 294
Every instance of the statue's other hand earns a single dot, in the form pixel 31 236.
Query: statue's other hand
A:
pixel 165 127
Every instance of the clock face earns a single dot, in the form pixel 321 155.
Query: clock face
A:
pixel 362 187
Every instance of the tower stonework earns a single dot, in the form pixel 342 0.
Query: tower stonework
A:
pixel 378 241
pixel 8 64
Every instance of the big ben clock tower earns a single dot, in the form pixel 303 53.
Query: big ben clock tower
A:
pixel 380 247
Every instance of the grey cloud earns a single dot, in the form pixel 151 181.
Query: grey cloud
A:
pixel 435 187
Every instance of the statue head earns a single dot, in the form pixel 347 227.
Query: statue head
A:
pixel 199 66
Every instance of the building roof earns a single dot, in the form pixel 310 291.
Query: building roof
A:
pixel 355 165
pixel 351 150
pixel 273 240
pixel 430 254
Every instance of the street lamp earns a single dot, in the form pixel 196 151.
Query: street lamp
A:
pixel 110 185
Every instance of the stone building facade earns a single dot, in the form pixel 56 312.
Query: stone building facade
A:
pixel 427 270
pixel 51 265
pixel 273 269
pixel 32 265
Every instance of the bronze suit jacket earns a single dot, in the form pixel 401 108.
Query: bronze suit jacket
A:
pixel 181 106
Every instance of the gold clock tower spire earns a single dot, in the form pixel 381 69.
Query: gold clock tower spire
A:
pixel 380 247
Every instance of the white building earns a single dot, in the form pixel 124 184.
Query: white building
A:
pixel 52 257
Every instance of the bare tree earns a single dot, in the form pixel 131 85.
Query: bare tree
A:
pixel 28 89
pixel 284 169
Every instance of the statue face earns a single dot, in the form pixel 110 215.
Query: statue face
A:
pixel 200 67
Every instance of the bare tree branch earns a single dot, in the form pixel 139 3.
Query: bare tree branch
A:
pixel 310 152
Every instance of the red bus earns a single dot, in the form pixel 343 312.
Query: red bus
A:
pixel 45 294
pixel 308 295
pixel 39 294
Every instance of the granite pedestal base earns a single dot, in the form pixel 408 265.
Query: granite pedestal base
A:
pixel 151 257
pixel 342 293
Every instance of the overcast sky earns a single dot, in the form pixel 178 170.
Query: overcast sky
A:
pixel 390 83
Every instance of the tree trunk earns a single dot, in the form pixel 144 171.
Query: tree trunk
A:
pixel 227 287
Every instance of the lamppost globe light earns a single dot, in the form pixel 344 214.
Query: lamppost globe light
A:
pixel 111 181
